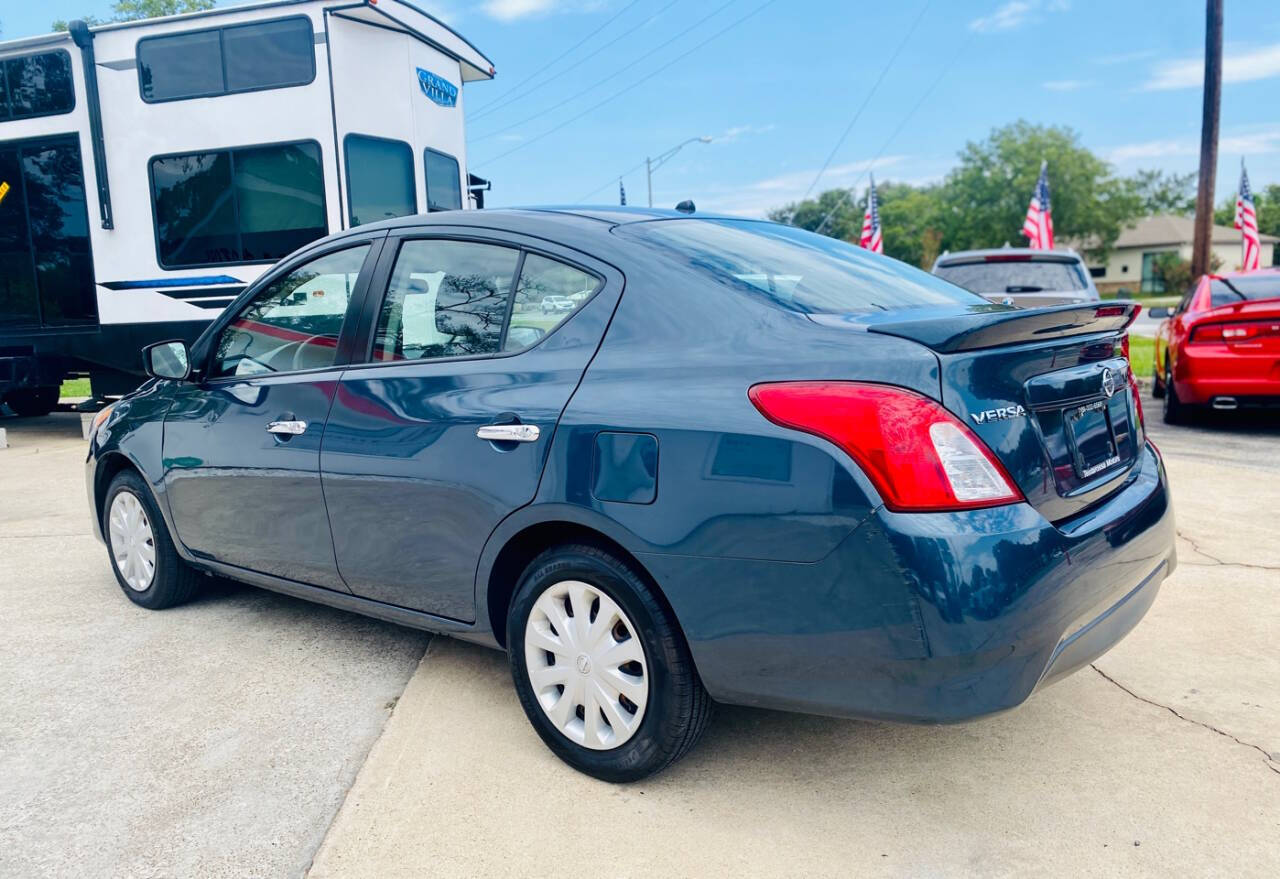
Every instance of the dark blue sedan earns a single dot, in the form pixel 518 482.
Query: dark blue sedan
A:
pixel 747 464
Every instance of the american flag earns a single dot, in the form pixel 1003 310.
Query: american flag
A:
pixel 1247 223
pixel 1038 226
pixel 622 193
pixel 871 238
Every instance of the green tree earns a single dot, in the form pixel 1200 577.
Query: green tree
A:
pixel 133 10
pixel 985 197
pixel 1161 193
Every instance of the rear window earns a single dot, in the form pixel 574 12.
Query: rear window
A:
pixel 798 269
pixel 1229 290
pixel 1024 276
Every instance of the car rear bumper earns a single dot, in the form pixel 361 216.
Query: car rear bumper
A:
pixel 928 617
pixel 1205 373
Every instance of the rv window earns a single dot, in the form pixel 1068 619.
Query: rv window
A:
pixel 444 186
pixel 221 61
pixel 36 85
pixel 379 179
pixel 250 204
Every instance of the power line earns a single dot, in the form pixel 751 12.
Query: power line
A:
pixel 856 116
pixel 511 97
pixel 557 59
pixel 844 193
pixel 600 82
pixel 582 198
pixel 633 85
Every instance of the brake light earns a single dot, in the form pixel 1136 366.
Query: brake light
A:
pixel 1009 257
pixel 1124 345
pixel 919 456
pixel 1236 332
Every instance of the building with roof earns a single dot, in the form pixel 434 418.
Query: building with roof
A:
pixel 1131 262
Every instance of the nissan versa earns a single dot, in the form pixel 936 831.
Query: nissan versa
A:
pixel 752 465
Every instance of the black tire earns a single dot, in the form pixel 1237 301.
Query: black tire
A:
pixel 33 402
pixel 678 707
pixel 173 581
pixel 1157 382
pixel 1175 411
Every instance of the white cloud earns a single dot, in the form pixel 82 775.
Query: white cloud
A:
pixel 1245 143
pixel 757 198
pixel 1067 85
pixel 1237 66
pixel 1006 18
pixel 1015 14
pixel 510 10
pixel 729 135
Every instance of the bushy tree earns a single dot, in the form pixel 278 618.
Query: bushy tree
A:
pixel 985 197
pixel 133 10
pixel 1165 193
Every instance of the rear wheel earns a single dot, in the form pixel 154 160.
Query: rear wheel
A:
pixel 147 567
pixel 33 402
pixel 601 669
pixel 1175 411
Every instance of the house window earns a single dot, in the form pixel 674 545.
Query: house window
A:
pixel 380 182
pixel 226 60
pixel 36 85
pixel 244 204
pixel 444 182
pixel 1098 272
pixel 1151 282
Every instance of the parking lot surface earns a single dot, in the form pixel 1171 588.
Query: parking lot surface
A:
pixel 221 737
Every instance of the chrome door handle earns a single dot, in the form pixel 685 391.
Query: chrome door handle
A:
pixel 287 428
pixel 508 433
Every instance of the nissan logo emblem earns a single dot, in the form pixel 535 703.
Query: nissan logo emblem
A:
pixel 1108 382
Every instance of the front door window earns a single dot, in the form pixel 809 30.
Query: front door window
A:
pixel 294 322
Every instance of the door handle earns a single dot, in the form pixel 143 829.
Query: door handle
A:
pixel 287 428
pixel 508 433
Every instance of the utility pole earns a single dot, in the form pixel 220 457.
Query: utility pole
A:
pixel 648 175
pixel 1208 137
pixel 651 164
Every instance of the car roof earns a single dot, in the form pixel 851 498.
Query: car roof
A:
pixel 1060 253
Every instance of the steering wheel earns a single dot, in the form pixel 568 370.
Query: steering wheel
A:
pixel 302 346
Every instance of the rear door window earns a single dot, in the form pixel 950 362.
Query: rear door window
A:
pixel 1014 276
pixel 1224 291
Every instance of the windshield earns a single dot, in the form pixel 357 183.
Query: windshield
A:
pixel 1224 291
pixel 1029 276
pixel 797 269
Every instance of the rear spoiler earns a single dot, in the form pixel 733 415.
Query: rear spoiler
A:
pixel 969 332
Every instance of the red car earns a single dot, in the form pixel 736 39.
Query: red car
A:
pixel 1220 346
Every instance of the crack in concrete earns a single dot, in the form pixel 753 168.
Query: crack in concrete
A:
pixel 1195 547
pixel 1267 758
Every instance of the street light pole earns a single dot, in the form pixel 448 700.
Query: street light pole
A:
pixel 651 164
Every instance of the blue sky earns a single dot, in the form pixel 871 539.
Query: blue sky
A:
pixel 776 88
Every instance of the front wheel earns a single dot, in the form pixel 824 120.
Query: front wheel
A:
pixel 1157 383
pixel 601 669
pixel 147 567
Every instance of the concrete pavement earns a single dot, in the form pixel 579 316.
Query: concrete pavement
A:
pixel 1164 758
pixel 215 739
pixel 222 737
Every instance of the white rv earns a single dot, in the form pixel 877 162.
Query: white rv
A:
pixel 150 170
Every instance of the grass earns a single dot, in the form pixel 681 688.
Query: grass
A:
pixel 1142 354
pixel 76 387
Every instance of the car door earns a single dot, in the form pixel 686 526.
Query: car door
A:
pixel 445 430
pixel 242 445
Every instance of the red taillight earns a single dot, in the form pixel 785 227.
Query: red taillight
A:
pixel 1124 346
pixel 1136 393
pixel 919 456
pixel 1236 332
pixel 1110 311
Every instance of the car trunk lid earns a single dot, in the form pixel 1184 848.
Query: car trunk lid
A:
pixel 1047 391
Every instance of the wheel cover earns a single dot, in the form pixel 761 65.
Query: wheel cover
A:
pixel 133 546
pixel 587 667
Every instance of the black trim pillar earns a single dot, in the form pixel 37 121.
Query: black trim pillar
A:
pixel 83 37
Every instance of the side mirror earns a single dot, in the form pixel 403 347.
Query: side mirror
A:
pixel 1161 311
pixel 167 360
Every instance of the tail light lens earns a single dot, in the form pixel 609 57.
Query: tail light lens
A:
pixel 919 456
pixel 1237 332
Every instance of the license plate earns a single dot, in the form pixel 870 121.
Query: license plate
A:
pixel 1093 438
